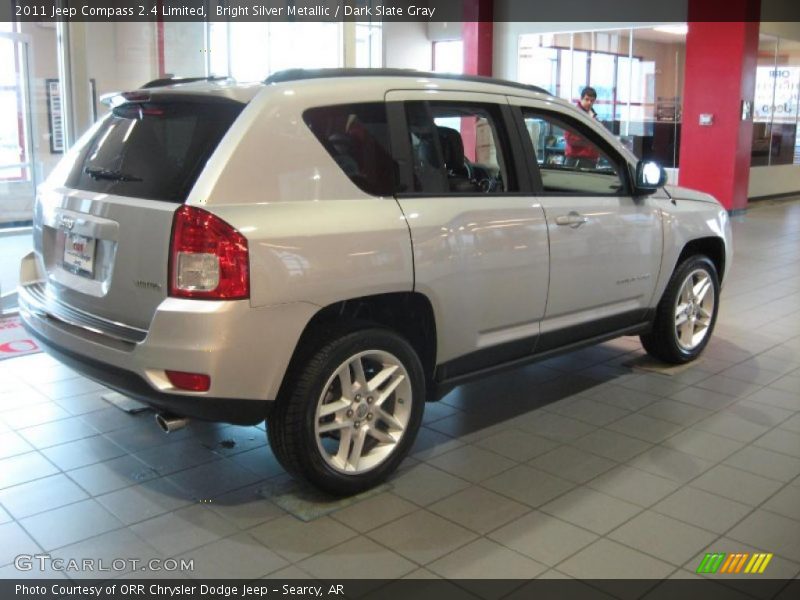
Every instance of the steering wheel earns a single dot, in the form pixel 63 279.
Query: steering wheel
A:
pixel 488 185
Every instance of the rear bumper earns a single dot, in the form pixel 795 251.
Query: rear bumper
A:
pixel 205 408
pixel 243 349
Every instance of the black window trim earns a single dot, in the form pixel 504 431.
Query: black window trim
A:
pixel 562 120
pixel 510 145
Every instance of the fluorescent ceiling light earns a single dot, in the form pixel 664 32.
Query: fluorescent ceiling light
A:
pixel 681 29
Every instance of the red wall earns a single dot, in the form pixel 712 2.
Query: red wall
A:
pixel 720 73
pixel 477 35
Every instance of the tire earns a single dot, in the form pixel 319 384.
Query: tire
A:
pixel 318 423
pixel 686 315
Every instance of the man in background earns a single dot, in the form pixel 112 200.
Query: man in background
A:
pixel 579 152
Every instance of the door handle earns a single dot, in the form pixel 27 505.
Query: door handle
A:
pixel 573 219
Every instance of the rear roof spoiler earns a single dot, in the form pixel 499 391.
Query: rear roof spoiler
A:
pixel 170 80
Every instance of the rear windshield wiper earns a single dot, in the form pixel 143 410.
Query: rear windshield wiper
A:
pixel 109 174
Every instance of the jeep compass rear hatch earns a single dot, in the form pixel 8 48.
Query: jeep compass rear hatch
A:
pixel 103 220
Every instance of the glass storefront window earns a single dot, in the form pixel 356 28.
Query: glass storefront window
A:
pixel 253 51
pixel 763 100
pixel 448 57
pixel 369 45
pixel 775 105
pixel 12 130
pixel 637 74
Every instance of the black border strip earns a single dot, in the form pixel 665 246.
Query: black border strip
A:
pixel 605 11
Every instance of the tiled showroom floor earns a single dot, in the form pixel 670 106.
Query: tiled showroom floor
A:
pixel 584 466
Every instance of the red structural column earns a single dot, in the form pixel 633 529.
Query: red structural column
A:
pixel 477 36
pixel 720 74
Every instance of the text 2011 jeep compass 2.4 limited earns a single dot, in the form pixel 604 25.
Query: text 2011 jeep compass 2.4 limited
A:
pixel 330 249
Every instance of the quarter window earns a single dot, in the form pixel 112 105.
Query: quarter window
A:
pixel 570 160
pixel 357 138
pixel 458 149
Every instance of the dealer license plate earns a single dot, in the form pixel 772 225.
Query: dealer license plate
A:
pixel 79 254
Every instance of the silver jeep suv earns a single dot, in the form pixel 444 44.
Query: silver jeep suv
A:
pixel 331 249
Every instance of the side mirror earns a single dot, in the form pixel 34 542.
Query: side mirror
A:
pixel 649 176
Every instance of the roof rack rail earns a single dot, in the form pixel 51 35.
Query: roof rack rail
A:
pixel 164 81
pixel 301 74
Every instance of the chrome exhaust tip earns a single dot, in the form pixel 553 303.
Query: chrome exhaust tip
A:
pixel 169 423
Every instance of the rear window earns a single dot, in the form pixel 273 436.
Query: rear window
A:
pixel 154 150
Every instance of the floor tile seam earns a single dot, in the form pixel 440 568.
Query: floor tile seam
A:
pixel 648 554
pixel 70 475
pixel 539 510
pixel 485 538
pixel 37 451
pixel 692 427
pixel 761 402
pixel 503 470
pixel 413 560
pixel 770 430
pixel 181 470
pixel 596 425
pixel 513 428
pixel 430 466
pixel 510 549
pixel 140 425
pixel 777 514
pixel 738 468
pixel 43 447
pixel 688 484
pixel 426 507
pixel 651 445
pixel 229 536
pixel 680 403
pixel 149 517
pixel 782 426
pixel 50 551
pixel 760 506
pixel 752 510
pixel 528 511
pixel 41 512
pixel 637 550
pixel 16 429
pixel 333 515
pixel 352 537
pixel 720 410
pixel 160 554
pixel 518 462
pixel 103 435
pixel 28 405
pixel 631 410
pixel 592 478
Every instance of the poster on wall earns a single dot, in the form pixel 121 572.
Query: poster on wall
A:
pixel 55 115
pixel 776 96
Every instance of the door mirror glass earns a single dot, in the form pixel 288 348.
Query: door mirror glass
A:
pixel 650 176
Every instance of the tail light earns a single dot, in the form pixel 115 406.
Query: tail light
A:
pixel 208 258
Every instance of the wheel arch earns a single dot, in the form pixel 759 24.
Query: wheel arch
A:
pixel 711 246
pixel 409 314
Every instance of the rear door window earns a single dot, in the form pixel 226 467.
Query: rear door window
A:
pixel 459 149
pixel 154 149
